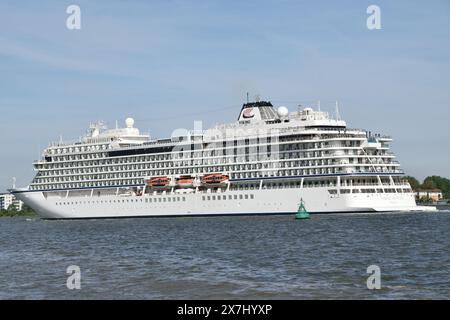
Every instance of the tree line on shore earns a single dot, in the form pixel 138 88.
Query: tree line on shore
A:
pixel 13 212
pixel 431 182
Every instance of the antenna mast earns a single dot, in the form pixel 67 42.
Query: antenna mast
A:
pixel 338 116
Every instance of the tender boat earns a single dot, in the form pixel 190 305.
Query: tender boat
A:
pixel 158 182
pixel 185 181
pixel 215 179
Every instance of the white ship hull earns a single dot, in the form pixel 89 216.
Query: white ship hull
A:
pixel 253 202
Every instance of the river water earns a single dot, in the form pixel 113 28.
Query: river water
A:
pixel 268 257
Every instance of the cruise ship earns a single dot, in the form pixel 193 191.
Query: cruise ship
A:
pixel 266 162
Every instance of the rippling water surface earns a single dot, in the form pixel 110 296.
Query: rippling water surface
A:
pixel 275 257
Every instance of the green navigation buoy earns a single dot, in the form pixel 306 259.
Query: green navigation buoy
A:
pixel 302 213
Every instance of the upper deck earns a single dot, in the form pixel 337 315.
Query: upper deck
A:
pixel 264 143
pixel 257 119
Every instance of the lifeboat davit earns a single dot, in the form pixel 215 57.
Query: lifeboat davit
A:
pixel 158 182
pixel 185 181
pixel 215 179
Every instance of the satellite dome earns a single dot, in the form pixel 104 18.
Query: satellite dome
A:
pixel 282 112
pixel 129 122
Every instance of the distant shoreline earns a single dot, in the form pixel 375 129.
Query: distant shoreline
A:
pixel 21 213
pixel 31 213
pixel 438 206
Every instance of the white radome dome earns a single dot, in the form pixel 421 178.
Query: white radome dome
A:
pixel 282 112
pixel 129 122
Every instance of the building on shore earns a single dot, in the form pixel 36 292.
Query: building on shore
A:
pixel 7 199
pixel 433 195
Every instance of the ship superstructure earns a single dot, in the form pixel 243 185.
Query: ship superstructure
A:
pixel 263 163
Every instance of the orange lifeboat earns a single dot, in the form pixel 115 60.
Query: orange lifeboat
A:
pixel 215 179
pixel 185 181
pixel 158 182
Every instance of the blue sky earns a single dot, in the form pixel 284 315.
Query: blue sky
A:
pixel 168 63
